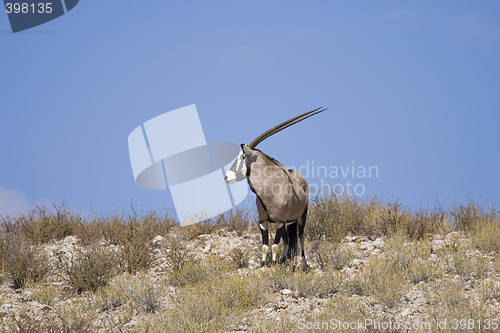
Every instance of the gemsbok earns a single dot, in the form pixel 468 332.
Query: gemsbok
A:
pixel 282 194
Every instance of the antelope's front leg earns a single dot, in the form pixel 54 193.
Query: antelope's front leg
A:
pixel 264 230
pixel 279 231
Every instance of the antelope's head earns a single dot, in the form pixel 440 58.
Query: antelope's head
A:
pixel 240 167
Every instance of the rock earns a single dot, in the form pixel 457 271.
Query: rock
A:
pixel 436 245
pixel 70 240
pixel 286 291
pixel 356 263
pixel 366 246
pixel 379 243
pixel 159 241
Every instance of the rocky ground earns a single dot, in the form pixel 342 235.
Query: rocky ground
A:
pixel 393 282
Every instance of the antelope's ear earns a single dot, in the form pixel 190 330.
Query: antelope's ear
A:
pixel 250 154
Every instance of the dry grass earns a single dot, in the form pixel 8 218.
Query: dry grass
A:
pixel 210 306
pixel 335 257
pixel 139 291
pixel 22 262
pixel 333 218
pixel 302 284
pixel 115 270
pixel 72 318
pixel 89 268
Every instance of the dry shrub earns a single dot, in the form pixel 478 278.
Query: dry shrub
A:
pixel 383 280
pixel 406 252
pixel 303 284
pixel 343 309
pixel 421 270
pixel 469 217
pixel 89 268
pixel 178 256
pixel 281 324
pixel 23 262
pixel 490 289
pixel 194 272
pixel 238 221
pixel 45 293
pixel 42 226
pixel 460 259
pixel 141 292
pixel 486 236
pixel 133 235
pixel 335 257
pixel 427 222
pixel 451 304
pixel 72 318
pixel 239 258
pixel 211 306
pixel 333 218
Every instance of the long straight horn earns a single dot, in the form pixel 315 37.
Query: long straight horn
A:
pixel 284 125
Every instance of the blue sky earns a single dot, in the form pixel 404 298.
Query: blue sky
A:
pixel 412 88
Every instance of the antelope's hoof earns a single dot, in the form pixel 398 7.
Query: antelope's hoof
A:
pixel 305 266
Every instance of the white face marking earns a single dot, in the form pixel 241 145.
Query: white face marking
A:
pixel 238 170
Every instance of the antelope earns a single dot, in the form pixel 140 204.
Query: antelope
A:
pixel 282 194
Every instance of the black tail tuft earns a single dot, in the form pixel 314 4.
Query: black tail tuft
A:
pixel 292 239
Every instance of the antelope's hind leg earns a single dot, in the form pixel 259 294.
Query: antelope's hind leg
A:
pixel 302 225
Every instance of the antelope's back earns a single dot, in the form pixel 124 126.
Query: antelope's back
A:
pixel 298 177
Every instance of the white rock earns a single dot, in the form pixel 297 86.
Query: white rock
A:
pixel 379 243
pixel 70 240
pixel 405 312
pixel 286 291
pixel 158 240
pixel 356 262
pixel 437 244
pixel 367 246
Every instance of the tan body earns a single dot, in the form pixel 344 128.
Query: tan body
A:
pixel 283 192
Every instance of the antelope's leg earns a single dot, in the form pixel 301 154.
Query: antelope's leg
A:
pixel 284 235
pixel 265 240
pixel 302 225
pixel 279 231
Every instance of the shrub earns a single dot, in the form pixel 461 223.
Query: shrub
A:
pixel 141 292
pixel 383 280
pixel 469 217
pixel 304 284
pixel 334 257
pixel 22 262
pixel 45 293
pixel 89 268
pixel 461 260
pixel 69 319
pixel 41 226
pixel 486 237
pixel 195 271
pixel 210 306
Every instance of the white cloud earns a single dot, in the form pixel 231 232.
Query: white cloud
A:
pixel 13 202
